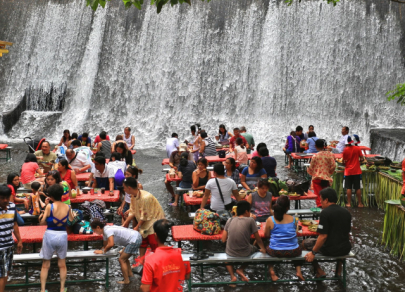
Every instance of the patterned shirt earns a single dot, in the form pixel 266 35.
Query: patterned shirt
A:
pixel 7 219
pixel 145 207
pixel 322 166
pixel 235 176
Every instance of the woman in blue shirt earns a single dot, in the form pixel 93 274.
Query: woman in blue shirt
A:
pixel 283 240
pixel 252 173
pixel 311 143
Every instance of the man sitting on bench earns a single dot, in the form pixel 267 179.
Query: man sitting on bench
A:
pixel 237 232
pixel 334 228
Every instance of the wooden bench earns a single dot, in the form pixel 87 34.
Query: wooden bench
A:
pixel 8 153
pixel 33 260
pixel 221 259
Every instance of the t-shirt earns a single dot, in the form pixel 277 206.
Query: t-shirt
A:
pixel 261 206
pixel 335 221
pixel 118 165
pixel 227 186
pixel 176 156
pixel 122 235
pixel 165 270
pixel 98 139
pixel 7 219
pixel 269 165
pixel 233 140
pixel 250 140
pixel 352 155
pixel 187 171
pixel 28 170
pixel 342 144
pixel 50 158
pixel 311 145
pixel 84 143
pixel 79 162
pixel 239 231
pixel 251 179
pixel 108 172
pixel 241 155
pixel 171 145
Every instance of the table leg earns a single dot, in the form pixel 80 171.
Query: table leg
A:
pixel 296 204
pixel 107 279
pixel 86 247
pixel 26 274
pixel 344 273
pixel 179 244
pixel 34 247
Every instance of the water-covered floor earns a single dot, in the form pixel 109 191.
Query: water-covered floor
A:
pixel 373 269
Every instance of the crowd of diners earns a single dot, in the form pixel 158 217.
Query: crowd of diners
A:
pixel 52 184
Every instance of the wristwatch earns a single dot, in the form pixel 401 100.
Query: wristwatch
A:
pixel 313 252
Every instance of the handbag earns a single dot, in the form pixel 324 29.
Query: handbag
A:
pixel 207 222
pixel 221 154
pixel 227 206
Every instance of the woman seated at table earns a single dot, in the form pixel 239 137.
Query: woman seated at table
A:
pixel 67 174
pixel 292 146
pixel 256 152
pixel 53 178
pixel 282 230
pixel 55 239
pixel 261 201
pixel 240 152
pixel 118 139
pixel 208 147
pixel 185 171
pixel 224 135
pixel 28 171
pixel 126 154
pixel 252 173
pixel 74 137
pixel 311 143
pixel 231 171
pixel 65 138
pixel 201 175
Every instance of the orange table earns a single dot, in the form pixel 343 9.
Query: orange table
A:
pixel 84 176
pixel 97 196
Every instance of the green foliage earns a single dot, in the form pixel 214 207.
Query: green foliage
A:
pixel 138 3
pixel 334 2
pixel 398 94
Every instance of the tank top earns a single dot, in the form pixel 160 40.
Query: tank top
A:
pixel 128 141
pixel 203 181
pixel 210 149
pixel 224 137
pixel 194 146
pixel 106 148
pixel 261 206
pixel 283 236
pixel 67 178
pixel 54 226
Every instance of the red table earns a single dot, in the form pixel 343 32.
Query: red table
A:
pixel 170 179
pixel 97 196
pixel 210 159
pixel 85 176
pixel 339 155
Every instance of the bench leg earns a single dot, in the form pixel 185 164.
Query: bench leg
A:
pixel 179 244
pixel 26 274
pixel 86 247
pixel 344 273
pixel 107 279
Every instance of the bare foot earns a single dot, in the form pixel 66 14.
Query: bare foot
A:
pixel 274 277
pixel 242 275
pixel 360 205
pixel 123 282
pixel 347 205
pixel 320 275
pixel 233 279
pixel 299 275
pixel 287 166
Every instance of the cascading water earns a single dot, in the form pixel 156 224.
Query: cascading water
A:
pixel 260 64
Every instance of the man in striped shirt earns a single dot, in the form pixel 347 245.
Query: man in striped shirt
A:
pixel 8 225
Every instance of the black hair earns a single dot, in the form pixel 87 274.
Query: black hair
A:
pixel 260 145
pixel 259 163
pixel 263 152
pixel 103 135
pixel 127 128
pixel 219 169
pixel 64 163
pixel 131 182
pixel 320 143
pixel 242 207
pixel 311 134
pixel 55 174
pixel 5 191
pixel 347 128
pixel 119 137
pixel 239 141
pixel 298 129
pixel 100 154
pixel 293 133
pixel 233 163
pixel 116 155
pixel 311 126
pixel 203 135
pixel 124 149
pixel 174 135
pixel 30 158
pixel 222 127
pixel 330 194
pixel 99 159
pixel 263 182
pixel 10 179
pixel 162 229
pixel 55 192
pixel 184 159
pixel 85 135
pixel 74 136
pixel 76 143
pixel 135 171
pixel 203 161
pixel 49 144
pixel 281 207
pixel 64 138
pixel 35 186
pixel 236 129
pixel 97 223
pixel 192 128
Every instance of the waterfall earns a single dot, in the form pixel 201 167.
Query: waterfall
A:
pixel 261 64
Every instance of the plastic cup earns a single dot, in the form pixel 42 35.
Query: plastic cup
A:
pixel 190 193
pixel 102 190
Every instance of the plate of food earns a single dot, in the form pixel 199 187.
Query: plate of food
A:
pixel 313 228
pixel 294 194
pixel 198 194
pixel 306 222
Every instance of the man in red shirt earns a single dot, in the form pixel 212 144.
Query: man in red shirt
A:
pixel 164 271
pixel 236 134
pixel 351 157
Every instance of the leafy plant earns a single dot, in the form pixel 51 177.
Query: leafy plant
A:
pixel 398 94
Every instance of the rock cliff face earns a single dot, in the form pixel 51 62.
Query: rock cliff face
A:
pixel 255 63
pixel 388 142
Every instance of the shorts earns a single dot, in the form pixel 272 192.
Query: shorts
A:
pixel 309 243
pixel 54 242
pixel 28 185
pixel 6 261
pixel 150 240
pixel 126 208
pixel 341 250
pixel 133 247
pixel 290 253
pixel 352 182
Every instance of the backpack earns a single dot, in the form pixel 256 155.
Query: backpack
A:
pixel 276 186
pixel 207 222
pixel 119 178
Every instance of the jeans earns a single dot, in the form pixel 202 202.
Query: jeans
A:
pixel 185 185
pixel 20 220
